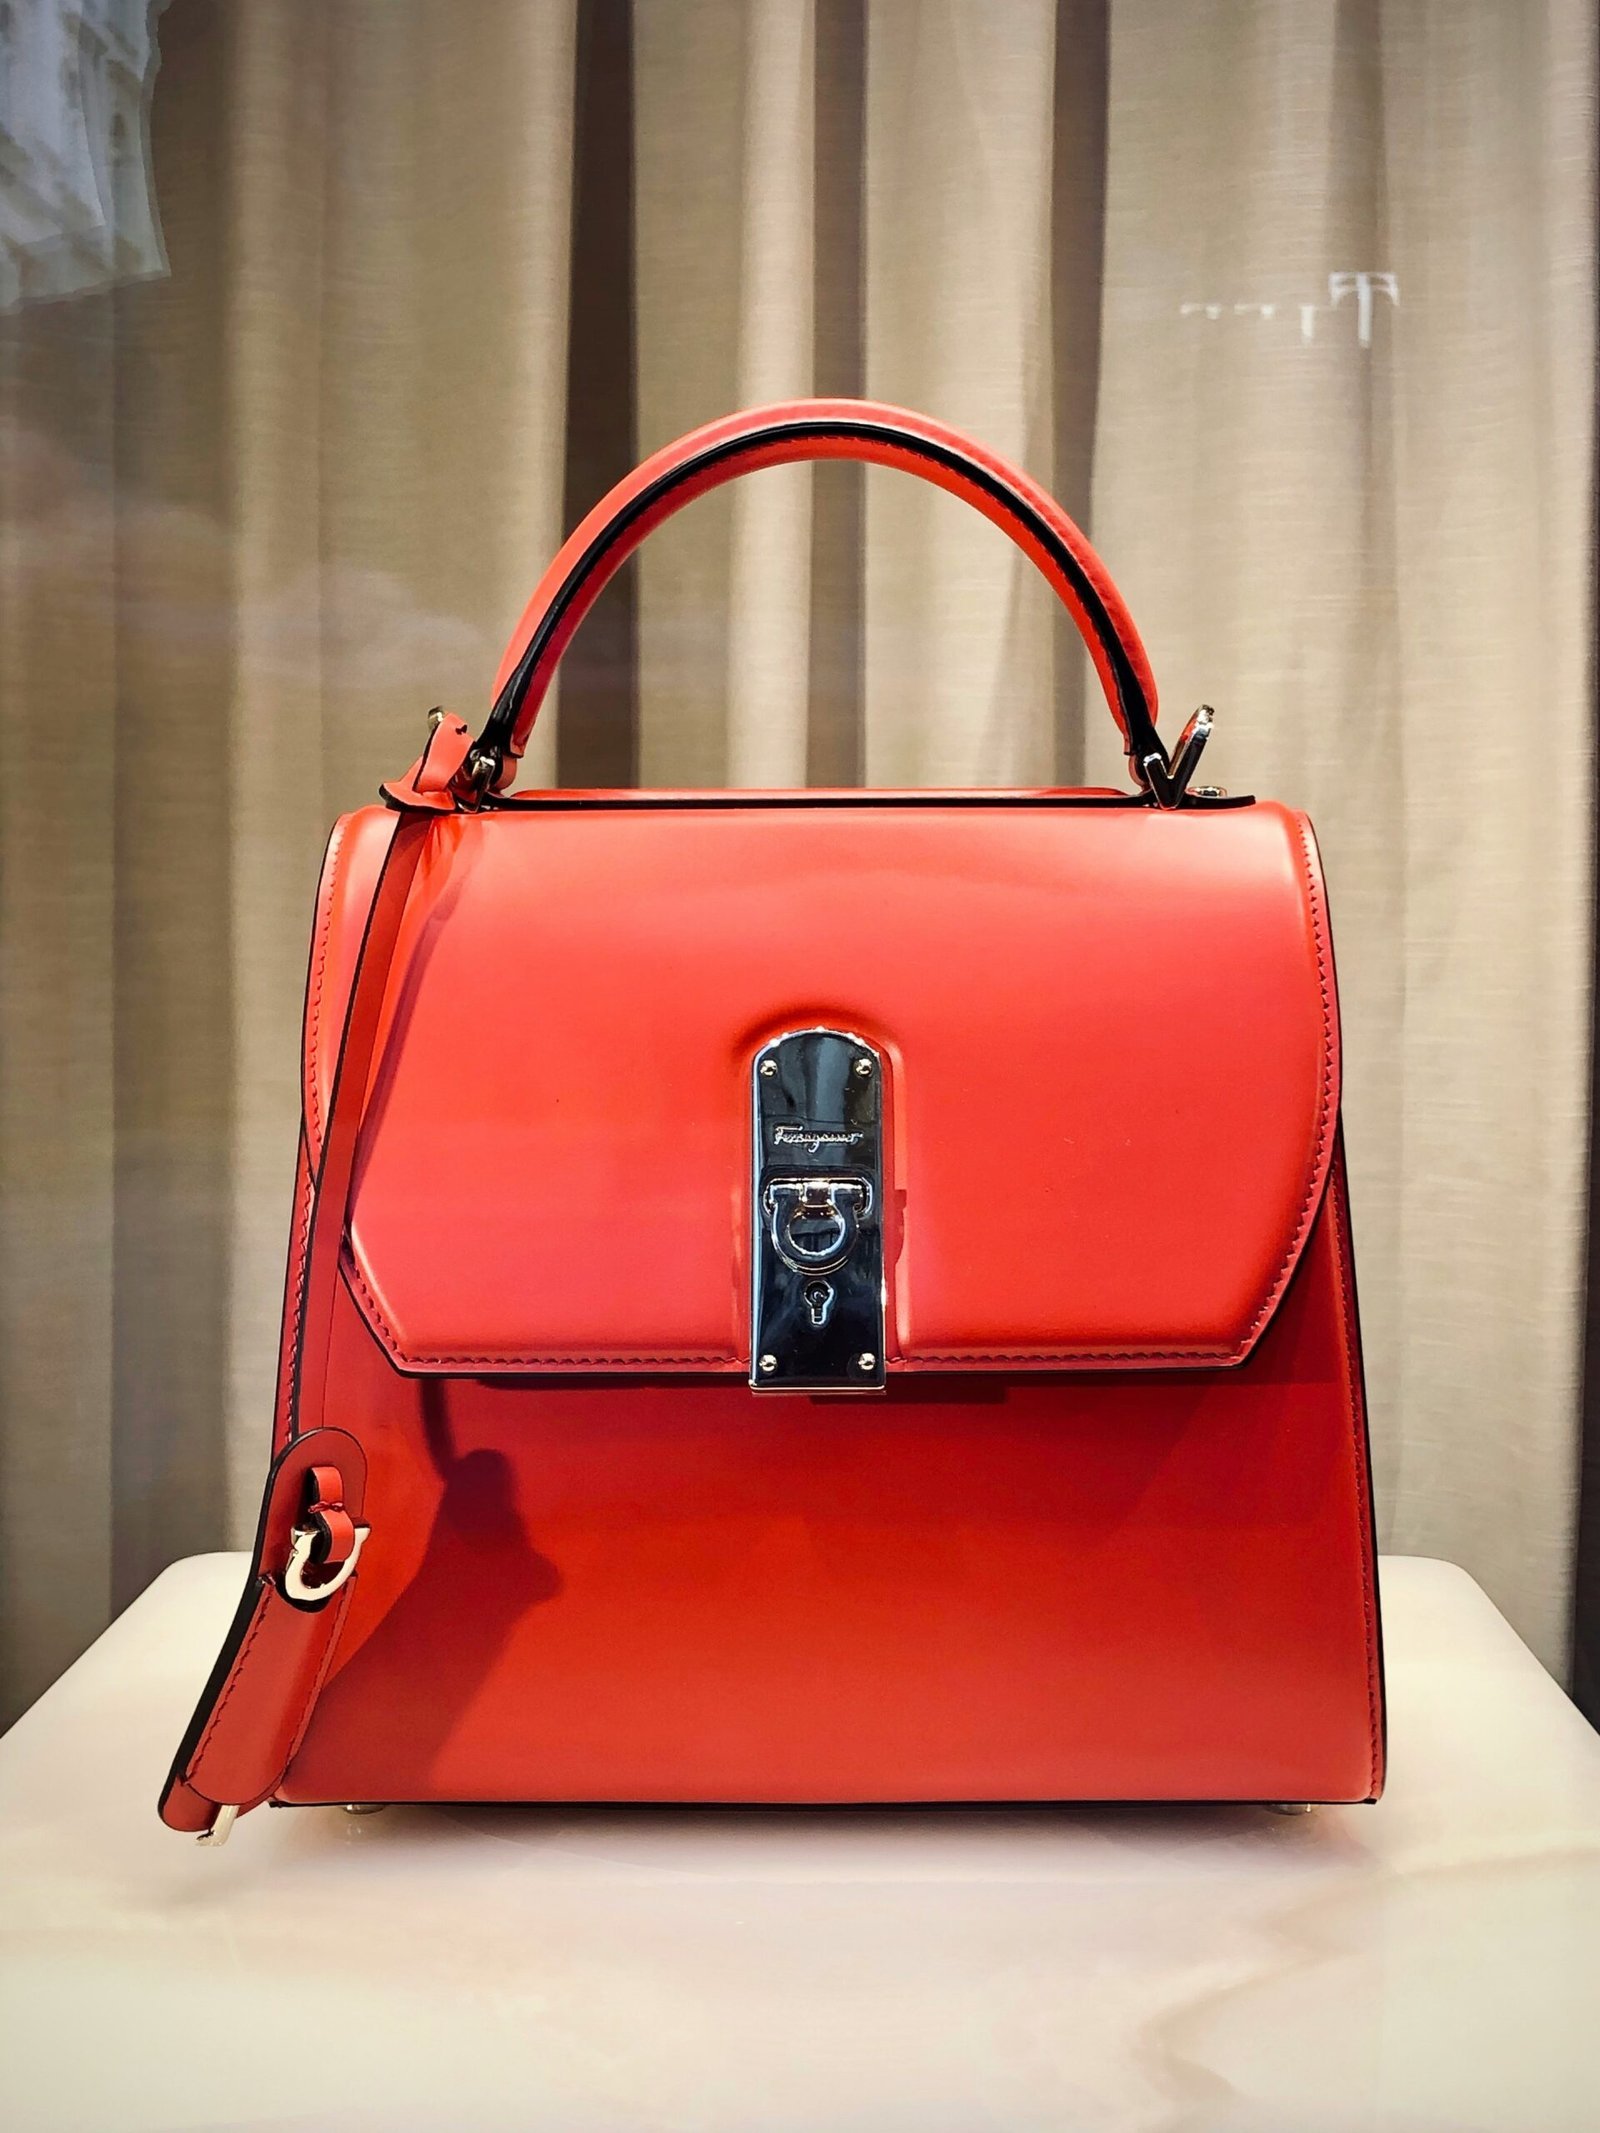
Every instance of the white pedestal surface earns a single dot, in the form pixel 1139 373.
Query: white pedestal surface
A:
pixel 1431 1963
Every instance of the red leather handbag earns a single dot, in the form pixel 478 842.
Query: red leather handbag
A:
pixel 811 1296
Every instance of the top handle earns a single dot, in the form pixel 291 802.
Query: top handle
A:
pixel 777 436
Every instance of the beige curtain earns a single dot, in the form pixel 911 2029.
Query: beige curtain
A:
pixel 1292 303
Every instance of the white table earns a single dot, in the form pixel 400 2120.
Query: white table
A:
pixel 1430 1963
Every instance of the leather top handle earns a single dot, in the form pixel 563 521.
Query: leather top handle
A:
pixel 777 436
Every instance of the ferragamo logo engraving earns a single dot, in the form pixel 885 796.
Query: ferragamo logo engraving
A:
pixel 815 1138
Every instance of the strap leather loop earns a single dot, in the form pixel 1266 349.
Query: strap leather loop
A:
pixel 776 436
pixel 257 1704
pixel 346 1108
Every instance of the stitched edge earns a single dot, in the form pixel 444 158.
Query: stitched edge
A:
pixel 1350 1333
pixel 1316 1177
pixel 297 1312
pixel 957 1356
pixel 236 1676
pixel 1213 1352
pixel 314 1017
pixel 373 1312
pixel 226 1697
pixel 319 1676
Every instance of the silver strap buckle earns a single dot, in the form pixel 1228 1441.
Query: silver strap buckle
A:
pixel 302 1544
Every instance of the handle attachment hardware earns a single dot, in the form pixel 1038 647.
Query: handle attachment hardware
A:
pixel 1166 778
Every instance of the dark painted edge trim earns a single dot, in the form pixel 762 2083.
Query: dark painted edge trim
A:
pixel 1142 738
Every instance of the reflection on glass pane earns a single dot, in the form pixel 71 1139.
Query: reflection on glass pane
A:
pixel 77 206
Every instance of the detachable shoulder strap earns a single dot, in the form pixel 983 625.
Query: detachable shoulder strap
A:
pixel 255 1709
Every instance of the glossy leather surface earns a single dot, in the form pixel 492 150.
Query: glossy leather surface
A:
pixel 1127 1583
pixel 1117 1586
pixel 1111 1051
pixel 827 429
pixel 1107 1534
pixel 253 1716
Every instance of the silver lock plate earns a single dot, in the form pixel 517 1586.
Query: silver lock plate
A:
pixel 817 1215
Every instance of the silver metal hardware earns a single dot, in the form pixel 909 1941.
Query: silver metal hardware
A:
pixel 814 1222
pixel 1167 778
pixel 817 1209
pixel 365 1807
pixel 297 1586
pixel 435 716
pixel 483 767
pixel 217 1832
pixel 1289 1807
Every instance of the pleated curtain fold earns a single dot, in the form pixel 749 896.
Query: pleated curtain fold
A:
pixel 1292 302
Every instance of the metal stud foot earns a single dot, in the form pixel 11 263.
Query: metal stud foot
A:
pixel 221 1824
pixel 365 1807
pixel 1289 1807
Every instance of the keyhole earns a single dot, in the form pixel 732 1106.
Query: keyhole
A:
pixel 818 1297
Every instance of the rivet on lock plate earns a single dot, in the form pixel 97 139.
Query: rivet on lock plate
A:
pixel 817 1215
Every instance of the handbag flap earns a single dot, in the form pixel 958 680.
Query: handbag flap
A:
pixel 1111 1072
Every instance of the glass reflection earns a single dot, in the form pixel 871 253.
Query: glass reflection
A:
pixel 77 203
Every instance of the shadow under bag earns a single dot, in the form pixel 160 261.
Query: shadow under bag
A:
pixel 811 1296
